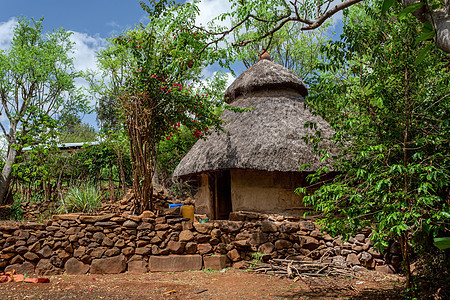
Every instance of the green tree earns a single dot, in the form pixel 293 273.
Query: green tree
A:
pixel 390 112
pixel 163 61
pixel 36 84
pixel 252 15
pixel 297 50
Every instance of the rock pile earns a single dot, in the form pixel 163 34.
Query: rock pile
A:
pixel 113 243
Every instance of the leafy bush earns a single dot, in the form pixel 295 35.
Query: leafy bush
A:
pixel 15 211
pixel 81 199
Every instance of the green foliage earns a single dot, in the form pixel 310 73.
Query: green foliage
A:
pixel 442 242
pixel 390 114
pixel 85 198
pixel 15 211
pixel 36 85
pixel 160 64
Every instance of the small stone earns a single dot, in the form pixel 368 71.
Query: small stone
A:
pixel 175 247
pixel 45 252
pixel 267 226
pixel 204 248
pixel 308 242
pixel 266 248
pixel 360 237
pixel 147 214
pixel 186 236
pixel 128 251
pixel 145 226
pixel 352 259
pixel 160 227
pixel 387 269
pixel 99 236
pixel 289 227
pixel 190 248
pixel 234 255
pixel 130 224
pixel 283 244
pixel 31 256
pixel 143 251
pixel 112 252
pixel 97 252
pixel 307 226
pixel 204 228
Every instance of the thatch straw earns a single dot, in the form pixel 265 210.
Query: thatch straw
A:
pixel 264 75
pixel 266 138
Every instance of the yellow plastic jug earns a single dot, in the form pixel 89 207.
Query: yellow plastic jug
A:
pixel 188 212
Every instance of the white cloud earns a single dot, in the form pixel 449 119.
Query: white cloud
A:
pixel 6 33
pixel 210 9
pixel 85 49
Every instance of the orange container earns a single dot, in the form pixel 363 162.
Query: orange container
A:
pixel 188 212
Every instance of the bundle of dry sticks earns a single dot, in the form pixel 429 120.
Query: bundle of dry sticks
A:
pixel 295 268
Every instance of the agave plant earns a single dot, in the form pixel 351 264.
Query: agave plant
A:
pixel 81 199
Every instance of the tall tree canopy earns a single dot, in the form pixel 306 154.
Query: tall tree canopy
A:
pixel 36 86
pixel 390 112
pixel 273 15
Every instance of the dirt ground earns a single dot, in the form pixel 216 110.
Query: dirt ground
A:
pixel 229 284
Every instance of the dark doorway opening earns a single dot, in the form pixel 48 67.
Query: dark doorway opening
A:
pixel 222 195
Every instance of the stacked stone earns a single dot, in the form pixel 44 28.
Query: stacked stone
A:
pixel 37 210
pixel 113 243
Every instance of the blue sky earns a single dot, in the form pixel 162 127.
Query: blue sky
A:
pixel 91 23
pixel 95 17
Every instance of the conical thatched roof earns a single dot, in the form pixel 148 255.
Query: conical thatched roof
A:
pixel 269 137
pixel 264 75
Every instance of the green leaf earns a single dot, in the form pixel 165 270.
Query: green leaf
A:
pixel 386 5
pixel 409 9
pixel 442 243
pixel 423 53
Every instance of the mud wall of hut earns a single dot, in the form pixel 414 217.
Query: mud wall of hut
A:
pixel 117 243
pixel 266 192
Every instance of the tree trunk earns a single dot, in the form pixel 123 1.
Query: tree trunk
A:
pixel 405 254
pixel 440 18
pixel 6 176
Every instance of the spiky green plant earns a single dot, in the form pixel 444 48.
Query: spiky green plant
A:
pixel 81 199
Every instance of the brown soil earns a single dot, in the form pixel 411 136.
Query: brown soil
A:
pixel 231 284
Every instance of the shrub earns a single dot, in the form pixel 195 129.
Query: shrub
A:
pixel 81 199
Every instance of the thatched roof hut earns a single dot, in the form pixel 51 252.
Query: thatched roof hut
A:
pixel 266 141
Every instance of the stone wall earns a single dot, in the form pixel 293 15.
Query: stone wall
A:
pixel 113 243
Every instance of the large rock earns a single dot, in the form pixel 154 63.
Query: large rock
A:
pixel 175 263
pixel 75 267
pixel 45 268
pixel 216 262
pixel 137 267
pixel 110 265
pixel 25 268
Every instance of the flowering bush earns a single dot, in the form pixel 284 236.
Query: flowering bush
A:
pixel 164 61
